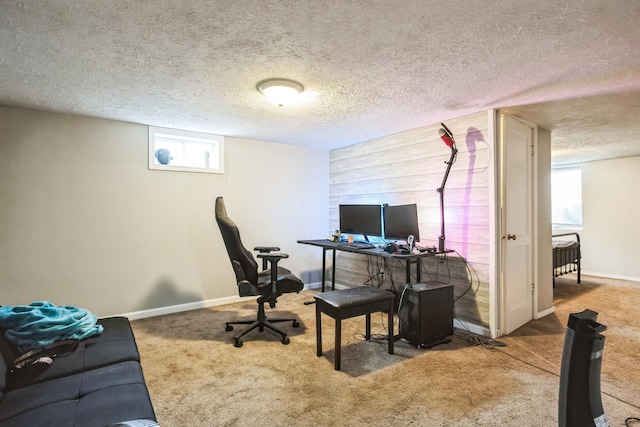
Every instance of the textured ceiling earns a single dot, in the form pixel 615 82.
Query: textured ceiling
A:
pixel 370 67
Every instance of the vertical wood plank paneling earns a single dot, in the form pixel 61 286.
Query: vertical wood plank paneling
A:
pixel 408 167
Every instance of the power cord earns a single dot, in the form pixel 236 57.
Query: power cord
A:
pixel 397 315
pixel 379 336
pixel 357 354
pixel 444 259
pixel 491 344
pixel 383 322
pixel 475 339
pixel 486 343
pixel 558 375
pixel 388 269
pixel 375 271
pixel 472 272
pixel 465 335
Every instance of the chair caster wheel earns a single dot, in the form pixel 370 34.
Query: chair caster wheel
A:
pixel 237 344
pixel 229 328
pixel 286 340
pixel 296 323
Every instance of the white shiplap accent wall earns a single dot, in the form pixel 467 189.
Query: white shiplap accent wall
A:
pixel 408 167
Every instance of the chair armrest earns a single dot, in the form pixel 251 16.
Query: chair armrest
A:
pixel 266 249
pixel 273 258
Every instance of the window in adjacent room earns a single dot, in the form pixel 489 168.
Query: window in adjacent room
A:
pixel 178 150
pixel 566 197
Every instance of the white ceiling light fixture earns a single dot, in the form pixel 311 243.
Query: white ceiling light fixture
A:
pixel 280 91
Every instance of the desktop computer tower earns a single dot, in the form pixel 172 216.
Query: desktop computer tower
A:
pixel 426 314
pixel 579 403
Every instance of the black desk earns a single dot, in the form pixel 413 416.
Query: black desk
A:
pixel 410 259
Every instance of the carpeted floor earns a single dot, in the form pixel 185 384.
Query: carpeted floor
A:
pixel 196 377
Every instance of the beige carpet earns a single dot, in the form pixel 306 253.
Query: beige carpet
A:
pixel 196 377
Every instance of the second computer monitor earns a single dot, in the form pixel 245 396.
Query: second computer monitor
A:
pixel 401 222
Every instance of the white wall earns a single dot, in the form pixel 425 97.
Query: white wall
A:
pixel 610 206
pixel 84 222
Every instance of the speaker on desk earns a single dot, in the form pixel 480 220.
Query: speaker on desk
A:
pixel 426 314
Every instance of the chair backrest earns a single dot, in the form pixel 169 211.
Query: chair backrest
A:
pixel 244 265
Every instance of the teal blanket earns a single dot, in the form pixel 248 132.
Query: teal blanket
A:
pixel 41 323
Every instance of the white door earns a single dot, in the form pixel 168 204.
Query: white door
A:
pixel 517 226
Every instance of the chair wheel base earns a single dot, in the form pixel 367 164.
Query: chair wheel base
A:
pixel 261 324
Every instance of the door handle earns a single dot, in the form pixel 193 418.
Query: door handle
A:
pixel 511 236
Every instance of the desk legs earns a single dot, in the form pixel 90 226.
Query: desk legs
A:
pixel 333 271
pixel 418 262
pixel 324 266
pixel 333 268
pixel 390 314
pixel 318 330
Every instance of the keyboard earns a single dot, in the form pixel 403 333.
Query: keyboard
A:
pixel 358 245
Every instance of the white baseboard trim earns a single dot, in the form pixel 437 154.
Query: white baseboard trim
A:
pixel 544 313
pixel 182 307
pixel 471 327
pixel 314 285
pixel 327 286
pixel 610 276
pixel 205 303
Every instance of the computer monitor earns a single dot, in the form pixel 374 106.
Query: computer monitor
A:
pixel 401 222
pixel 361 219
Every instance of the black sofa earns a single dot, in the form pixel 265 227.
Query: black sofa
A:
pixel 100 383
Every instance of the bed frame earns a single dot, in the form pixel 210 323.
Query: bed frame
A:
pixel 566 255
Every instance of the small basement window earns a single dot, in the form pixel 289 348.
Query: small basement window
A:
pixel 179 150
pixel 566 197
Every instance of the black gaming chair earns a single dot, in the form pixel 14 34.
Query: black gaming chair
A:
pixel 268 284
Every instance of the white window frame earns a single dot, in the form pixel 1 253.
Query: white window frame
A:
pixel 186 137
pixel 569 226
